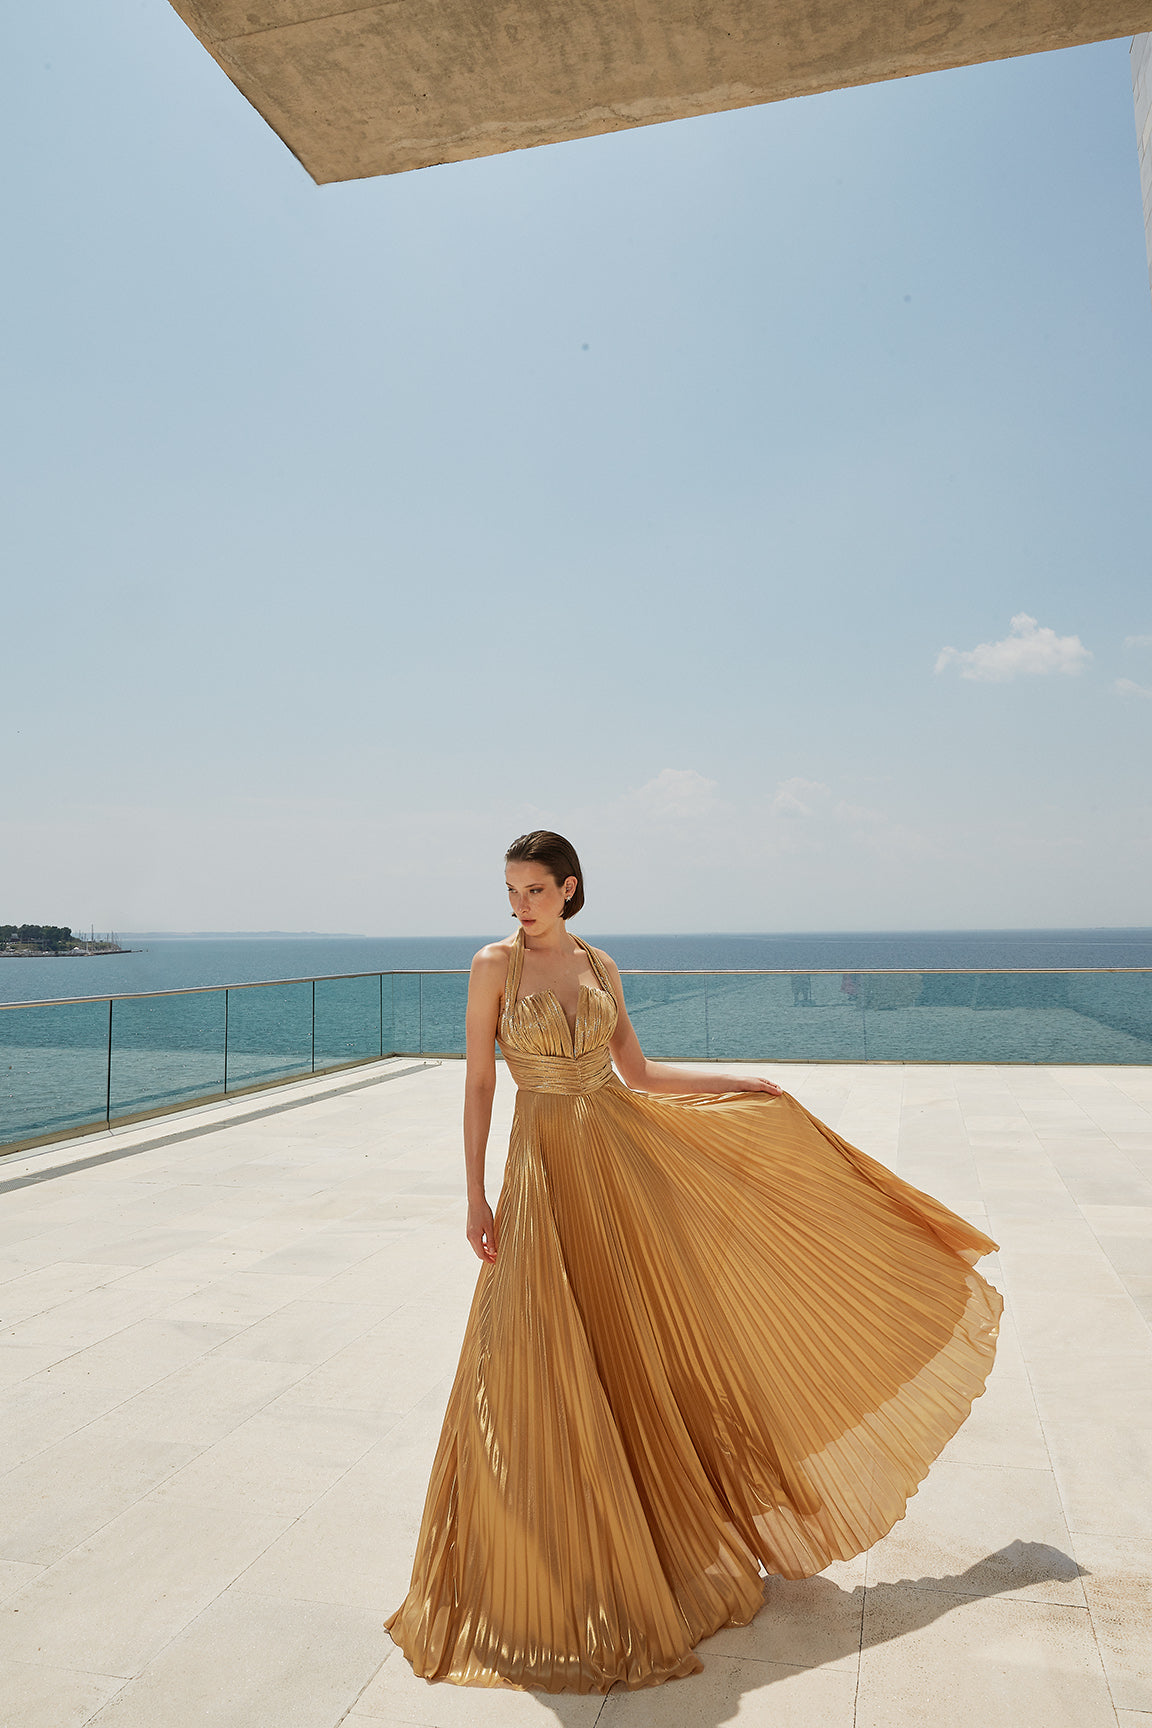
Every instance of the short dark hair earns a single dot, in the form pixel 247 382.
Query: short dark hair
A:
pixel 558 857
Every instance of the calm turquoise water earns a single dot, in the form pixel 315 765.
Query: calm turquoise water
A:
pixel 180 963
pixel 997 996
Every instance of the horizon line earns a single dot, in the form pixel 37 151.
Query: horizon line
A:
pixel 749 935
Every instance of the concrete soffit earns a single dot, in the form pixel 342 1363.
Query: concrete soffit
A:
pixel 379 88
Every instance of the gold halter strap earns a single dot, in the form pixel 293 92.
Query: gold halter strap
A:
pixel 597 968
pixel 516 968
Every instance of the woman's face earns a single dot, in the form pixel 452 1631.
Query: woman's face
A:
pixel 536 898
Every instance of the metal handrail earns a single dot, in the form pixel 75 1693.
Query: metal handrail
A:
pixel 251 984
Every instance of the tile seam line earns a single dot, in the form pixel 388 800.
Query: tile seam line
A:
pixel 151 1387
pixel 138 1674
pixel 125 1680
pixel 860 1648
pixel 48 1565
pixel 70 1668
pixel 1011 1594
pixel 36 1176
pixel 372 1677
pixel 1044 1426
pixel 152 1315
pixel 91 1422
pixel 1050 1471
pixel 70 1296
pixel 1104 1668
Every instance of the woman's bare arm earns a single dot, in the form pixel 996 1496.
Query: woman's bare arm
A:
pixel 485 989
pixel 641 1075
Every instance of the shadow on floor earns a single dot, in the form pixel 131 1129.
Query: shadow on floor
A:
pixel 810 1623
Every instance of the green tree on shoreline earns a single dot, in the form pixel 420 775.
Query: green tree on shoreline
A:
pixel 51 938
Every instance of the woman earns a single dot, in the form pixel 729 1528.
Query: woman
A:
pixel 708 1338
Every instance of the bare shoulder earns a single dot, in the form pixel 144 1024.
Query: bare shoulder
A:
pixel 490 963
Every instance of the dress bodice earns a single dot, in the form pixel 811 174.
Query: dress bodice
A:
pixel 541 1050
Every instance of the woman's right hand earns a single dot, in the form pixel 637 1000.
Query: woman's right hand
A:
pixel 481 1230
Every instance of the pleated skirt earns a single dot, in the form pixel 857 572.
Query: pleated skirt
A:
pixel 717 1341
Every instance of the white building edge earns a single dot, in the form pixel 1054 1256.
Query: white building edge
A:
pixel 1142 96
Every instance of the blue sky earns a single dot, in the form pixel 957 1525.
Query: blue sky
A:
pixel 632 487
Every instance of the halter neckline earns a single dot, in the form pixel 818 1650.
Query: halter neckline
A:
pixel 516 968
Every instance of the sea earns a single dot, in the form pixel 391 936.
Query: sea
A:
pixel 182 962
pixel 916 996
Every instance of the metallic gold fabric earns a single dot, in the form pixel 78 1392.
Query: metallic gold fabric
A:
pixel 716 1338
pixel 568 1075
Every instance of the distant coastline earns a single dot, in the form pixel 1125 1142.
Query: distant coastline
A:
pixel 54 942
pixel 90 953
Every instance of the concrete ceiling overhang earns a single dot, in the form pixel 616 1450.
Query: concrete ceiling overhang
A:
pixel 355 90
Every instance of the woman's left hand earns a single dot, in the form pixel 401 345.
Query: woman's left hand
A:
pixel 750 1083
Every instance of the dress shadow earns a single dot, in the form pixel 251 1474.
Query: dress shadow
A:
pixel 810 1624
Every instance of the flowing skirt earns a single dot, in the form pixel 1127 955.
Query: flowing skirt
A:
pixel 717 1338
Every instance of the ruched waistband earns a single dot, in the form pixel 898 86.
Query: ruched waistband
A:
pixel 565 1075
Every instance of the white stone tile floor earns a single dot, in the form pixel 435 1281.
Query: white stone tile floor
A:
pixel 226 1340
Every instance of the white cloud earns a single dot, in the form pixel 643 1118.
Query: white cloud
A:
pixel 797 797
pixel 1029 649
pixel 676 794
pixel 1138 641
pixel 1127 687
pixel 730 837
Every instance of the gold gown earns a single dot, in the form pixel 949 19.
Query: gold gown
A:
pixel 716 1338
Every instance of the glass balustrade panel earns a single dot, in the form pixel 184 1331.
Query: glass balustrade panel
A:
pixel 669 1012
pixel 269 1033
pixel 347 1021
pixel 166 1051
pixel 1119 1003
pixel 1063 1017
pixel 53 1069
pixel 388 1042
pixel 444 999
pixel 406 1012
pixel 784 1017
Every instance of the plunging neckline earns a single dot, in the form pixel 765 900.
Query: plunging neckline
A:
pixel 572 1029
pixel 582 989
